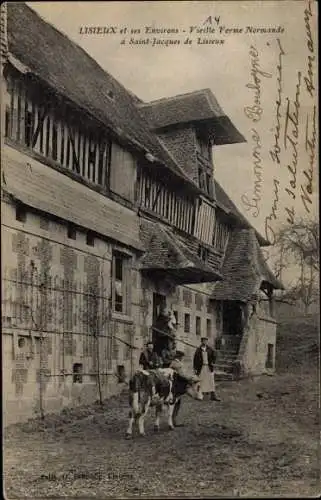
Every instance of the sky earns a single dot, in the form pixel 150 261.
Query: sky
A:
pixel 245 71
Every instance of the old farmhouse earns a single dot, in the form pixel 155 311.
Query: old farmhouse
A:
pixel 110 208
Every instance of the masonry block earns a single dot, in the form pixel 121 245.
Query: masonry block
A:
pixel 20 244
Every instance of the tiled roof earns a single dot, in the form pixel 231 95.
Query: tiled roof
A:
pixel 67 68
pixel 43 189
pixel 244 268
pixel 197 106
pixel 166 253
pixel 55 59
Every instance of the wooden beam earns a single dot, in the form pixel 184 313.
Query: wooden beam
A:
pixel 156 195
pixel 41 117
pixel 75 159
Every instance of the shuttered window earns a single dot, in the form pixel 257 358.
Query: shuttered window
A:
pixel 121 284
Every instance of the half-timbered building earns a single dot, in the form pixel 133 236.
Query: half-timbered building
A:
pixel 111 209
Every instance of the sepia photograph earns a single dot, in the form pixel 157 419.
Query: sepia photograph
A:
pixel 160 249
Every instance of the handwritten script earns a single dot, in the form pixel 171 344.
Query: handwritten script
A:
pixel 294 147
pixel 254 113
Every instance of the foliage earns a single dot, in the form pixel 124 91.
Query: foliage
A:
pixel 297 248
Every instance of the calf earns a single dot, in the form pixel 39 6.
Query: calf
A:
pixel 170 386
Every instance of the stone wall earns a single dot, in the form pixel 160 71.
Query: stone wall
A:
pixel 258 344
pixel 39 356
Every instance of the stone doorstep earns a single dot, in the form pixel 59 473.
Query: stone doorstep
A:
pixel 226 360
pixel 224 368
pixel 228 352
pixel 222 376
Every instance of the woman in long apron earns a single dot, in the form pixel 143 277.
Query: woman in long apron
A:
pixel 204 360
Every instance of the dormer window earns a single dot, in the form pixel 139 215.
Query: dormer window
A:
pixel 204 147
pixel 205 164
pixel 205 179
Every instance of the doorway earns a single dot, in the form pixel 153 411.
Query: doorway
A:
pixel 233 325
pixel 232 318
pixel 270 356
pixel 159 301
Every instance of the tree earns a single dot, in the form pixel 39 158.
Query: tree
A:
pixel 296 253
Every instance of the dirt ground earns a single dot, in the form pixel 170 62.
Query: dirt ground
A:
pixel 261 440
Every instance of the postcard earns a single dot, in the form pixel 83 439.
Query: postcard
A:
pixel 160 249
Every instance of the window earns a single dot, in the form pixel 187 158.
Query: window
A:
pixel 205 164
pixel 120 283
pixel 220 235
pixel 121 374
pixel 71 232
pixel 204 147
pixel 270 356
pixel 187 323
pixel 205 180
pixel 77 370
pixel 90 239
pixel 271 305
pixel 21 214
pixel 198 326
pixel 21 342
pixel 7 122
pixel 208 328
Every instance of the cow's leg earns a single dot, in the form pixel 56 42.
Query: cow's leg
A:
pixel 170 416
pixel 141 419
pixel 169 398
pixel 175 412
pixel 129 431
pixel 159 409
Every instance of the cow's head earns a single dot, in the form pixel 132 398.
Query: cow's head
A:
pixel 193 389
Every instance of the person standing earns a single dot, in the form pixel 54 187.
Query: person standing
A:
pixel 203 363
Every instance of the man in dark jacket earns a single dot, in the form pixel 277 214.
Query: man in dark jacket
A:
pixel 149 360
pixel 203 363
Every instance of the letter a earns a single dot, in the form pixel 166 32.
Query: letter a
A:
pixel 208 20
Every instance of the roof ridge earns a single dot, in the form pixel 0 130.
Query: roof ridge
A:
pixel 170 98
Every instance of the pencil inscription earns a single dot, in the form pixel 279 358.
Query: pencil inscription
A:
pixel 254 113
